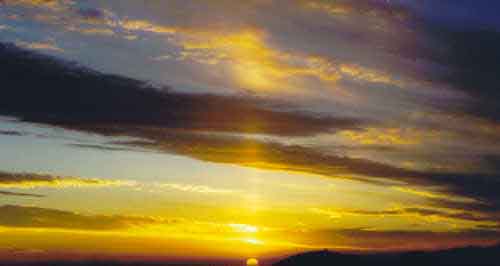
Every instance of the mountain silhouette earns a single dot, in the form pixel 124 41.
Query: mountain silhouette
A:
pixel 468 256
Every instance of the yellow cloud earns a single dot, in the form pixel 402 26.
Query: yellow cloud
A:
pixel 437 218
pixel 366 74
pixel 254 62
pixel 433 194
pixel 196 188
pixel 387 136
pixel 92 31
pixel 333 9
pixel 144 25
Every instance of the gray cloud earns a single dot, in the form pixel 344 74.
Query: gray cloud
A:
pixel 35 217
pixel 17 194
pixel 30 180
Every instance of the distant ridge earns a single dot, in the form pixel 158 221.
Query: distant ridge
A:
pixel 468 256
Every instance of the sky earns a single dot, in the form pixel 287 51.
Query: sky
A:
pixel 236 129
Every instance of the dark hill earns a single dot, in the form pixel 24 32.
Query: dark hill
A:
pixel 470 256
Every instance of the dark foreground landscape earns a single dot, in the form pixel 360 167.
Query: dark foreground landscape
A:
pixel 473 256
pixel 467 256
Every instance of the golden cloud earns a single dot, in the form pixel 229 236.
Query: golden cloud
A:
pixel 459 220
pixel 254 62
pixel 389 136
pixel 196 188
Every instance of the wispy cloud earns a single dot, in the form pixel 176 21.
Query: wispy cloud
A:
pixel 11 133
pixel 92 31
pixel 35 217
pixel 47 46
pixel 196 188
pixel 427 214
pixel 49 4
pixel 17 194
pixel 30 180
pixel 369 238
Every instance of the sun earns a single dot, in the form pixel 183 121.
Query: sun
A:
pixel 252 262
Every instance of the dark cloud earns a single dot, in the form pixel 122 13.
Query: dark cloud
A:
pixel 28 180
pixel 460 13
pixel 11 133
pixel 101 147
pixel 408 240
pixel 8 193
pixel 425 212
pixel 95 98
pixel 477 61
pixel 274 156
pixel 91 13
pixel 34 217
pixel 460 48
pixel 383 9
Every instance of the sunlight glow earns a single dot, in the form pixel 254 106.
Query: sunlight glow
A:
pixel 253 241
pixel 244 228
pixel 252 262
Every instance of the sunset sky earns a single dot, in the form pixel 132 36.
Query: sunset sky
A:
pixel 237 129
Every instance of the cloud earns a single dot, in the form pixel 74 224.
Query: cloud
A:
pixel 421 193
pixel 47 46
pixel 190 124
pixel 374 9
pixel 93 15
pixel 196 188
pixel 16 194
pixel 144 25
pixel 427 214
pixel 406 240
pixel 11 133
pixel 48 4
pixel 389 136
pixel 128 101
pixel 35 217
pixel 92 31
pixel 473 59
pixel 30 180
pixel 28 217
pixel 253 61
pixel 102 147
